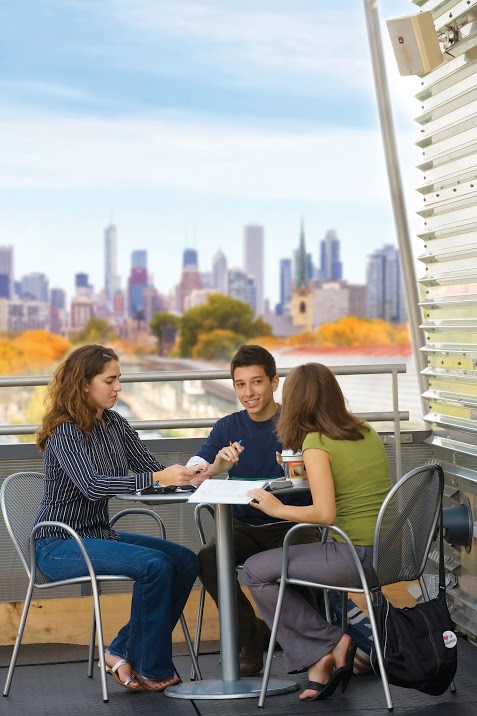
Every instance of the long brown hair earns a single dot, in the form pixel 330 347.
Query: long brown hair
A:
pixel 66 400
pixel 312 402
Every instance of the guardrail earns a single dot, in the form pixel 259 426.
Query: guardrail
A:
pixel 393 369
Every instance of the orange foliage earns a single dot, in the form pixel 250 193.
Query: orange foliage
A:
pixel 352 331
pixel 306 338
pixel 269 342
pixel 44 347
pixel 31 351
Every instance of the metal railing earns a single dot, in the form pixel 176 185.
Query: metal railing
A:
pixel 394 416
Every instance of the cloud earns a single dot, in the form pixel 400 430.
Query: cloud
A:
pixel 300 41
pixel 203 157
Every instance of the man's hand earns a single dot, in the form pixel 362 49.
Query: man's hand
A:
pixel 227 457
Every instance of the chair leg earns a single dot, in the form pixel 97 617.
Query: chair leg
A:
pixel 99 631
pixel 92 640
pixel 379 653
pixel 195 663
pixel 18 640
pixel 198 627
pixel 344 610
pixel 271 646
pixel 326 602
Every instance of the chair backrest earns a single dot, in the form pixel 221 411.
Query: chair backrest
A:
pixel 20 498
pixel 406 525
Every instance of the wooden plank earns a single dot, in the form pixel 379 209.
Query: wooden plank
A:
pixel 68 621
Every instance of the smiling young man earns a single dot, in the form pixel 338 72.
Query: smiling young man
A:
pixel 245 445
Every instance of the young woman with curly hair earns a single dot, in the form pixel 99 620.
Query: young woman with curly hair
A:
pixel 89 450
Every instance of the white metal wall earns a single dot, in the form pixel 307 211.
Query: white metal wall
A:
pixel 448 287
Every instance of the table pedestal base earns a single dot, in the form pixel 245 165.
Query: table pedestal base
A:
pixel 245 688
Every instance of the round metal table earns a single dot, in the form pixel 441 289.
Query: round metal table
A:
pixel 230 686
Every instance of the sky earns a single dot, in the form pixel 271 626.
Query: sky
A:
pixel 181 121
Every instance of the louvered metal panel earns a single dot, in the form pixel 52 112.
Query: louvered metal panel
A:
pixel 447 144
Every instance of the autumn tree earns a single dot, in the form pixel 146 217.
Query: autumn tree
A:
pixel 223 313
pixel 353 331
pixel 160 321
pixel 41 348
pixel 96 331
pixel 217 345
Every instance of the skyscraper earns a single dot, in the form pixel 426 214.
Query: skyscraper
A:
pixel 191 278
pixel 138 281
pixel 253 244
pixel 81 280
pixel 385 290
pixel 190 259
pixel 331 268
pixel 6 271
pixel 57 310
pixel 241 286
pixel 111 278
pixel 35 285
pixel 219 272
pixel 139 259
pixel 285 282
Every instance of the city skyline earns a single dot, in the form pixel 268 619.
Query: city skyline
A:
pixel 305 263
pixel 181 123
pixel 311 292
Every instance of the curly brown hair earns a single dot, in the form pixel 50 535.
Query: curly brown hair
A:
pixel 312 402
pixel 66 400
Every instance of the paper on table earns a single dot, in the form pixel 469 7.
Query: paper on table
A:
pixel 226 492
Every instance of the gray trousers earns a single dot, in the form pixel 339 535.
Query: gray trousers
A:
pixel 248 540
pixel 304 635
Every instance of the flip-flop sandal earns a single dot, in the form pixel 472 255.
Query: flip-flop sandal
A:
pixel 172 682
pixel 113 670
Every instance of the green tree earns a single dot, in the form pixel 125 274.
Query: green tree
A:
pixel 160 321
pixel 96 331
pixel 220 312
pixel 217 345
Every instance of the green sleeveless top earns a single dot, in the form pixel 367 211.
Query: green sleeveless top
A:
pixel 361 478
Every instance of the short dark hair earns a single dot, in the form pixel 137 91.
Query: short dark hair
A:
pixel 250 354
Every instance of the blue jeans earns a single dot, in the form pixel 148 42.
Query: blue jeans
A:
pixel 164 573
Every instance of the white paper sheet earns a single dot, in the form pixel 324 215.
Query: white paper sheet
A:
pixel 226 492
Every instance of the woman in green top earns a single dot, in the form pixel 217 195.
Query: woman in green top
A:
pixel 349 478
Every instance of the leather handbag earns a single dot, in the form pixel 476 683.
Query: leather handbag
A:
pixel 418 643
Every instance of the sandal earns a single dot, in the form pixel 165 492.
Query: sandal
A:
pixel 324 690
pixel 164 683
pixel 113 670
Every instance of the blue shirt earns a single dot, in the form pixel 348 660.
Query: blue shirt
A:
pixel 258 459
pixel 82 472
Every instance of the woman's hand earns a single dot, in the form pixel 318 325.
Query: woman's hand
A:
pixel 201 473
pixel 265 502
pixel 174 475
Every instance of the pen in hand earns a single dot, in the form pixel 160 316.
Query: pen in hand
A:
pixel 231 444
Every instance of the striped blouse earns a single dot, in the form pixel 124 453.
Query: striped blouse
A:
pixel 82 472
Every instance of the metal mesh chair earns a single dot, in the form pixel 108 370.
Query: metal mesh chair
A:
pixel 404 532
pixel 20 498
